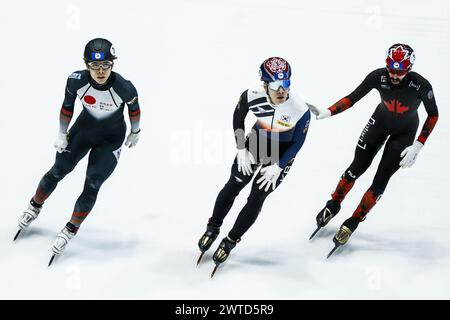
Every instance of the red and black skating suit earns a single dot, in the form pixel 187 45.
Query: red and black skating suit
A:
pixel 394 122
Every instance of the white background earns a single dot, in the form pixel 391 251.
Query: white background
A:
pixel 190 61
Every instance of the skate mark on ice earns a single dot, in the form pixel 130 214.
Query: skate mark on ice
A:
pixel 421 249
pixel 37 232
pixel 325 232
pixel 263 258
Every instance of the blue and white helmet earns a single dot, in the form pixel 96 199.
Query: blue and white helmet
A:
pixel 275 68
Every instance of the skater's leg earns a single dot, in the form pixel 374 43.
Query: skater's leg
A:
pixel 247 216
pixel 228 194
pixel 222 206
pixel 65 162
pixel 252 208
pixel 369 143
pixel 361 162
pixel 249 213
pixel 102 162
pixel 389 164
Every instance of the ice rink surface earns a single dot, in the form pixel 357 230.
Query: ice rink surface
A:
pixel 190 61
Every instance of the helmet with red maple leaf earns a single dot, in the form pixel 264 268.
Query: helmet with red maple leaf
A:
pixel 400 57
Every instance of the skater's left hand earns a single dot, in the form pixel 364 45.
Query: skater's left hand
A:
pixel 132 139
pixel 410 154
pixel 319 113
pixel 270 177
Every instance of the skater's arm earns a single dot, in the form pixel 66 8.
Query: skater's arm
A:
pixel 240 112
pixel 429 102
pixel 128 93
pixel 134 111
pixel 348 101
pixel 66 112
pixel 301 129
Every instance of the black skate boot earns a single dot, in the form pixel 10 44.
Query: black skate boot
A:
pixel 345 231
pixel 326 214
pixel 205 242
pixel 222 252
pixel 343 234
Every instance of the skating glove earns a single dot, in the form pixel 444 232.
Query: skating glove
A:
pixel 132 139
pixel 61 142
pixel 244 161
pixel 270 177
pixel 410 154
pixel 320 114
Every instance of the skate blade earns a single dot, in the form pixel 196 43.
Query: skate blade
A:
pixel 17 234
pixel 315 232
pixel 332 251
pixel 200 258
pixel 214 271
pixel 51 260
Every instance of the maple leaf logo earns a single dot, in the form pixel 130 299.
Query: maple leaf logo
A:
pixel 399 54
pixel 390 105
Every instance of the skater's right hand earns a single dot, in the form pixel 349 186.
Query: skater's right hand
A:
pixel 244 161
pixel 61 142
pixel 320 114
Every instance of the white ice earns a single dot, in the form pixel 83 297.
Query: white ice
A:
pixel 190 61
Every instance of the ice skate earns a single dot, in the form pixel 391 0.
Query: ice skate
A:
pixel 326 214
pixel 61 242
pixel 207 239
pixel 222 252
pixel 343 234
pixel 27 217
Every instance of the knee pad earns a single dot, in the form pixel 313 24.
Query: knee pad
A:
pixel 235 184
pixel 94 182
pixel 257 197
pixel 57 173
